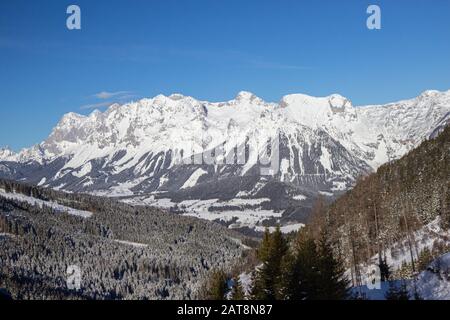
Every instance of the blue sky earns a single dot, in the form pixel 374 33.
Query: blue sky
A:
pixel 211 49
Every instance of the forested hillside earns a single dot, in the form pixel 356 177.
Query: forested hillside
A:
pixel 397 211
pixel 397 218
pixel 123 252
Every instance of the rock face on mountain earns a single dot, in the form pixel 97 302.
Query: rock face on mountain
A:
pixel 205 158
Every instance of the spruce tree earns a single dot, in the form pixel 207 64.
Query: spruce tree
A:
pixel 217 287
pixel 308 264
pixel 385 270
pixel 264 247
pixel 290 279
pixel 312 272
pixel 425 259
pixel 237 292
pixel 332 284
pixel 299 270
pixel 267 278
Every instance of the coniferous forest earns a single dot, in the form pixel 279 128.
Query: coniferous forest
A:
pixel 224 158
pixel 381 219
pixel 136 252
pixel 123 252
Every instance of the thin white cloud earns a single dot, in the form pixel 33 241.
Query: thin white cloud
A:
pixel 108 95
pixel 97 105
pixel 119 97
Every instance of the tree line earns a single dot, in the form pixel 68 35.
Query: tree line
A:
pixel 382 211
pixel 174 255
pixel 301 268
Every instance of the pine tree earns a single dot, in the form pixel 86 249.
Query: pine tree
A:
pixel 264 247
pixel 307 270
pixel 300 270
pixel 425 259
pixel 385 270
pixel 237 292
pixel 317 219
pixel 267 278
pixel 217 286
pixel 290 285
pixel 333 285
pixel 312 272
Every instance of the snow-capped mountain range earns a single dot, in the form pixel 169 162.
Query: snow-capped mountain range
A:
pixel 133 151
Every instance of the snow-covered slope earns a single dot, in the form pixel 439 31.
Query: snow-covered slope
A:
pixel 431 284
pixel 135 149
pixel 40 203
pixel 428 237
pixel 434 283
